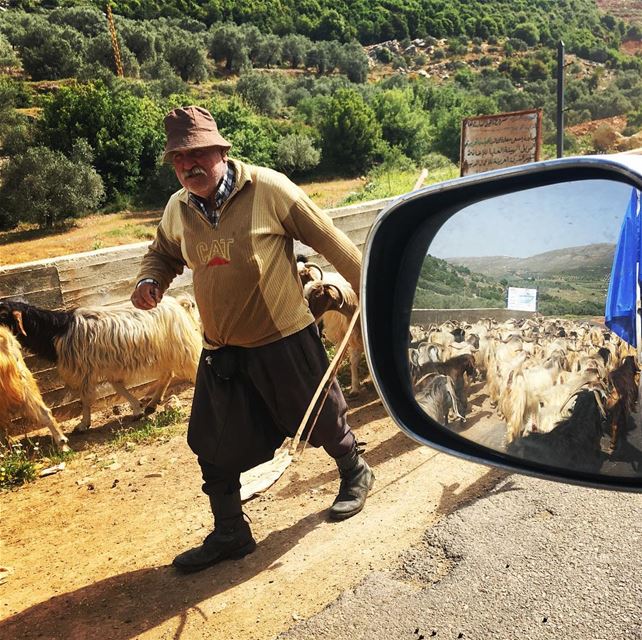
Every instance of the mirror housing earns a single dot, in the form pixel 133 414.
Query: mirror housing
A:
pixel 394 252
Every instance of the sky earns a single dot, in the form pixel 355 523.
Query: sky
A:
pixel 534 221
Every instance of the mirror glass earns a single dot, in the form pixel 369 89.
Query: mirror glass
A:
pixel 523 332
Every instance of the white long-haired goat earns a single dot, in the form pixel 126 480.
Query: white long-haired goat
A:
pixel 119 345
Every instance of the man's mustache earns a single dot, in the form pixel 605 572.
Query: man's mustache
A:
pixel 194 171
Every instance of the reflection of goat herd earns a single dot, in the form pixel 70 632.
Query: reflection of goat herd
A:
pixel 545 378
pixel 123 346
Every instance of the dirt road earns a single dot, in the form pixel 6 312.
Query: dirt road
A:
pixel 90 547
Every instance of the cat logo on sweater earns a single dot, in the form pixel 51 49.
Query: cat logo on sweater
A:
pixel 215 253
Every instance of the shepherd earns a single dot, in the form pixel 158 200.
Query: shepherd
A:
pixel 234 226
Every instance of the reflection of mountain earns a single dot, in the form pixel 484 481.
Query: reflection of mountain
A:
pixel 591 259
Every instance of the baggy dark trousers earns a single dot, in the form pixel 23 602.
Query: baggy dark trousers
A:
pixel 248 400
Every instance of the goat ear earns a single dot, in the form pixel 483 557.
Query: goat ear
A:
pixel 317 303
pixel 17 316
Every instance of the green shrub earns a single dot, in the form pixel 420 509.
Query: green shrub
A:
pixel 420 60
pixel 404 123
pixel 159 186
pixel 100 50
pixel 253 137
pixel 350 131
pixel 353 62
pixel 17 465
pixel 187 57
pixel 227 44
pixel 435 161
pixel 384 55
pixel 47 51
pixel 526 32
pixel 124 131
pixel 8 55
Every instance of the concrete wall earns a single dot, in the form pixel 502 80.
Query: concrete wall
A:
pixel 107 276
pixel 437 316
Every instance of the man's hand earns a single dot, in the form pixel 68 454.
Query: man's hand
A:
pixel 146 296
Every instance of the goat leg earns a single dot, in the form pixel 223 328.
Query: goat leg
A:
pixel 614 430
pixel 159 392
pixel 59 438
pixel 134 403
pixel 86 399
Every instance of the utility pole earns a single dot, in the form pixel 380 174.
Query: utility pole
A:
pixel 114 42
pixel 560 99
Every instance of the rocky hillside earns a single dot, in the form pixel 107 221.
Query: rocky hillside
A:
pixel 629 10
pixel 594 259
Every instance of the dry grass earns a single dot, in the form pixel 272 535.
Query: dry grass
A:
pixel 85 234
pixel 331 192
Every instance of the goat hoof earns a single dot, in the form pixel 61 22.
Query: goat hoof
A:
pixel 149 409
pixel 81 427
pixel 353 394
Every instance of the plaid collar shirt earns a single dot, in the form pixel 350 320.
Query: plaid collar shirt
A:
pixel 223 192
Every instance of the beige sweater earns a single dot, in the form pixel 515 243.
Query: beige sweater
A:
pixel 244 272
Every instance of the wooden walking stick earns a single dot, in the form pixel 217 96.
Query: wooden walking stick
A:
pixel 263 476
pixel 331 371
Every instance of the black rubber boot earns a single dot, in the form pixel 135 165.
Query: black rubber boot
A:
pixel 356 480
pixel 231 538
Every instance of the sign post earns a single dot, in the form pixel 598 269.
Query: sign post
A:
pixel 560 99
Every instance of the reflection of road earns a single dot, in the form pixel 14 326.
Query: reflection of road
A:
pixel 482 423
pixel 626 460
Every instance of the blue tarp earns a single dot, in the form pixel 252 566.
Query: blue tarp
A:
pixel 620 314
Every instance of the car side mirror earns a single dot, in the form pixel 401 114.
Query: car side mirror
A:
pixel 484 302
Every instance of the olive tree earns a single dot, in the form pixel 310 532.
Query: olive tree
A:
pixel 296 153
pixel 45 187
pixel 261 91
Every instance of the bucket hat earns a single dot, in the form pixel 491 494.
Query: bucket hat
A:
pixel 190 128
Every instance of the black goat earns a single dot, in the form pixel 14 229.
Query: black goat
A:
pixel 455 368
pixel 574 442
pixel 36 329
pixel 437 397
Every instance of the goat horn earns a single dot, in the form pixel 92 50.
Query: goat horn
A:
pixel 311 265
pixel 579 390
pixel 424 378
pixel 338 290
pixel 600 405
pixel 17 316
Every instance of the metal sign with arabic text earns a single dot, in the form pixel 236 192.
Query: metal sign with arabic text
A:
pixel 500 140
